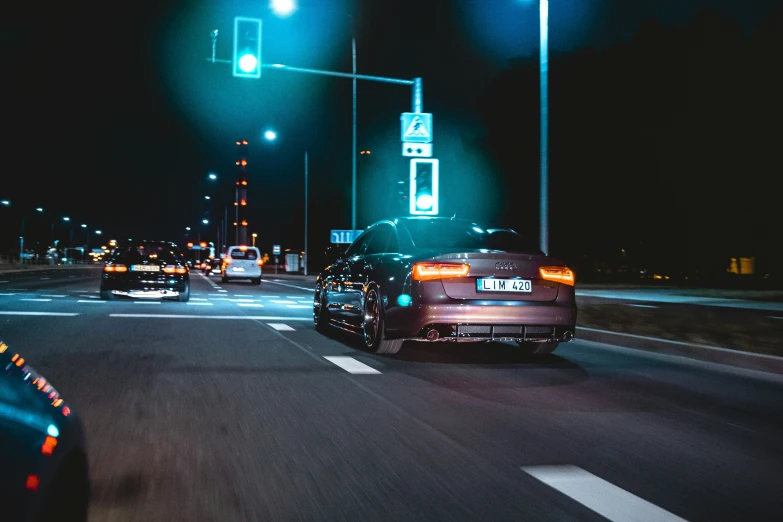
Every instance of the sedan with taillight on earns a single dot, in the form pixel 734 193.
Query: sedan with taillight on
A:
pixel 44 471
pixel 146 269
pixel 434 279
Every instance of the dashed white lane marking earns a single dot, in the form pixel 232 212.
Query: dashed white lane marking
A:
pixel 293 297
pixel 8 294
pixel 199 304
pixel 277 301
pixel 60 314
pixel 233 317
pixel 52 295
pixel 251 305
pixel 225 291
pixel 198 299
pixel 305 302
pixel 241 300
pixel 277 282
pixel 640 305
pixel 604 498
pixel 351 365
pixel 280 327
pixel 215 295
pixel 3 281
pixel 242 295
pixel 71 276
pixel 36 300
pixel 300 306
pixel 146 302
pixel 18 289
pixel 44 278
pixel 90 301
pixel 771 316
pixel 89 296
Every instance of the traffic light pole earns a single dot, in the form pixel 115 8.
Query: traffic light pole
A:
pixel 417 97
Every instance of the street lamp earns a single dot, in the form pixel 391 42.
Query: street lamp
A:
pixel 270 135
pixel 254 238
pixel 207 197
pixel 66 218
pixel 39 209
pixel 205 221
pixel 543 67
pixel 98 232
pixel 187 228
pixel 84 226
pixel 5 202
pixel 212 176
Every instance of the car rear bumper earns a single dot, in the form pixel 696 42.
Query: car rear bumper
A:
pixel 247 274
pixel 467 322
pixel 172 286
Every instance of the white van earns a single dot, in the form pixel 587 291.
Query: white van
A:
pixel 242 262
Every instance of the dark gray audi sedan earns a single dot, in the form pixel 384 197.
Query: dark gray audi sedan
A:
pixel 435 279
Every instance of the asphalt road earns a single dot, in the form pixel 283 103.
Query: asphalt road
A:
pixel 230 407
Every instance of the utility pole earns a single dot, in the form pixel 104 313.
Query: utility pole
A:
pixel 305 213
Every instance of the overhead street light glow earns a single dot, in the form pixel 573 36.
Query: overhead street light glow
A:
pixel 66 219
pixel 39 209
pixel 98 232
pixel 5 202
pixel 84 226
pixel 187 228
pixel 213 176
pixel 270 135
pixel 207 197
pixel 283 7
pixel 205 221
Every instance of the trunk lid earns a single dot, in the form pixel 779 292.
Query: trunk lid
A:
pixel 499 276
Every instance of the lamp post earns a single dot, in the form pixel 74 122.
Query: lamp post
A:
pixel 543 66
pixel 254 238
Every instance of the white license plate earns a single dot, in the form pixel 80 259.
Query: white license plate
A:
pixel 504 285
pixel 238 269
pixel 145 268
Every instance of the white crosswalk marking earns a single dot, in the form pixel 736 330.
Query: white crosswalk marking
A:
pixel 199 304
pixel 351 365
pixel 251 305
pixel 277 301
pixel 36 300
pixel 91 301
pixel 50 295
pixel 300 306
pixel 280 327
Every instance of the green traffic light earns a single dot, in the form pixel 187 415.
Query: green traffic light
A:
pixel 248 63
pixel 424 202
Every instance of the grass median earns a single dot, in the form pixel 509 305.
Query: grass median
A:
pixel 738 329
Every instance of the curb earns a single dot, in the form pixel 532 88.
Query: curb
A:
pixel 700 352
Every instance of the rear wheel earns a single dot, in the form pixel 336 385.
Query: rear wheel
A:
pixel 107 295
pixel 256 281
pixel 373 325
pixel 320 313
pixel 184 296
pixel 533 348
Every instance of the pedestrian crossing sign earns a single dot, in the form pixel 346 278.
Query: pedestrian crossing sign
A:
pixel 416 127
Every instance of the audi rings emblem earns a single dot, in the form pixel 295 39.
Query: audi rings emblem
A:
pixel 505 266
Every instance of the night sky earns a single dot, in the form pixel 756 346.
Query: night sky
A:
pixel 114 116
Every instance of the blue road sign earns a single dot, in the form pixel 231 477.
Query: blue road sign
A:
pixel 416 127
pixel 344 236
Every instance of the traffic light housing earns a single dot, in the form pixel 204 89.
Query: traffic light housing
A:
pixel 247 47
pixel 424 186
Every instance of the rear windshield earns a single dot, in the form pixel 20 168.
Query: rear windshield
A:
pixel 447 234
pixel 149 252
pixel 244 254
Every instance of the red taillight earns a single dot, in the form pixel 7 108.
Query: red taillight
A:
pixel 182 270
pixel 434 271
pixel 227 260
pixel 32 482
pixel 172 269
pixel 115 268
pixel 48 446
pixel 559 274
pixel 260 262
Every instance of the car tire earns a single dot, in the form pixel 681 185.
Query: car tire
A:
pixel 320 313
pixel 533 348
pixel 107 295
pixel 374 332
pixel 256 281
pixel 184 297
